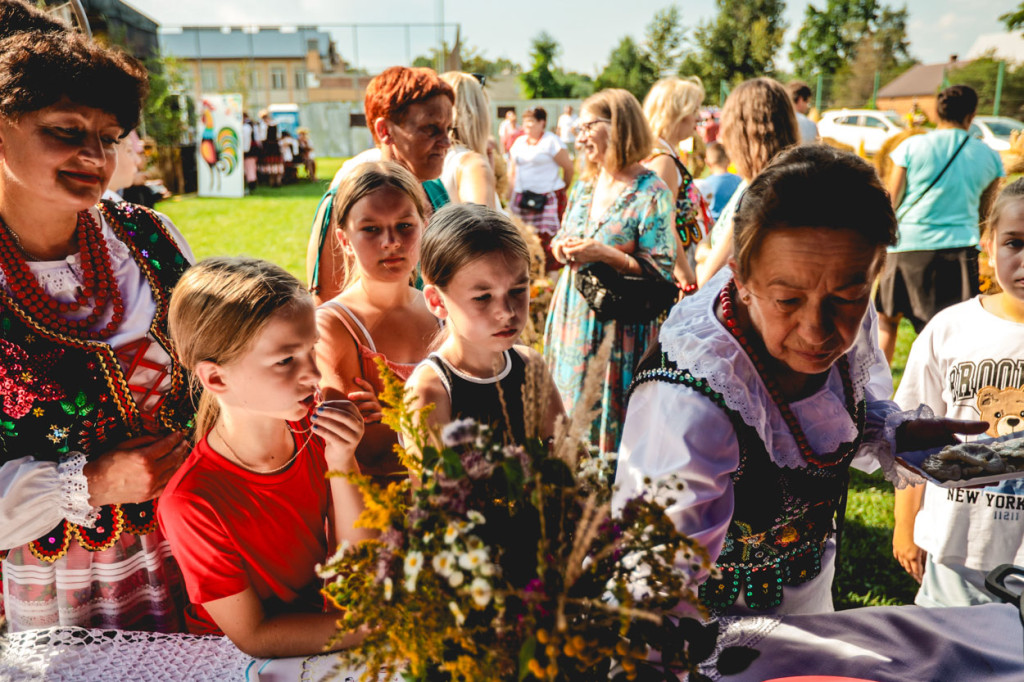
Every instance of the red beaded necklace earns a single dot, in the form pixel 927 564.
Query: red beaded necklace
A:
pixel 725 300
pixel 98 291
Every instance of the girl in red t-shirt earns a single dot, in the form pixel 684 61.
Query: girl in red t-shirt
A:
pixel 250 513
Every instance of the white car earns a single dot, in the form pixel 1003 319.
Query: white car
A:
pixel 854 126
pixel 995 130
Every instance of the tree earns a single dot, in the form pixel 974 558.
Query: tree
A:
pixel 740 43
pixel 663 40
pixel 847 38
pixel 473 60
pixel 161 113
pixel 630 68
pixel 576 85
pixel 1014 20
pixel 541 81
pixel 981 75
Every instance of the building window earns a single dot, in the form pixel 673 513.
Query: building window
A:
pixel 278 78
pixel 300 79
pixel 255 82
pixel 232 78
pixel 188 81
pixel 209 76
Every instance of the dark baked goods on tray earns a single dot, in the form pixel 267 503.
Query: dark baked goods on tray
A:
pixel 963 461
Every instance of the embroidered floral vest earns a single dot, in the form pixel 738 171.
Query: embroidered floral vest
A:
pixel 61 394
pixel 781 517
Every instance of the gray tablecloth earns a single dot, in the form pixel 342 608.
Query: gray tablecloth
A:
pixel 885 644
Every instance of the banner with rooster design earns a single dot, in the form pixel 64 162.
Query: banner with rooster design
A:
pixel 219 153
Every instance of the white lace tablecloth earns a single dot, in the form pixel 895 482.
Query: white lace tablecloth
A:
pixel 77 654
pixel 884 644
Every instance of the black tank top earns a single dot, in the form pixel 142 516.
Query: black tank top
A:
pixel 478 398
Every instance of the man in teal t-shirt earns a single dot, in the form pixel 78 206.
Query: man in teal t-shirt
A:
pixel 937 186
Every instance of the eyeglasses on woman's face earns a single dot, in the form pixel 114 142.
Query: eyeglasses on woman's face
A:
pixel 587 127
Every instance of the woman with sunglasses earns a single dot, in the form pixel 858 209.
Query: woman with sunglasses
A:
pixel 618 214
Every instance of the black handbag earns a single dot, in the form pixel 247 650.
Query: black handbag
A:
pixel 532 201
pixel 630 299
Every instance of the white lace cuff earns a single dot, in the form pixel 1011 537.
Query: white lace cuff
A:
pixel 901 477
pixel 74 491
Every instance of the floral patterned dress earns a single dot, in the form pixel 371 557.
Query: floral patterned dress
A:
pixel 637 222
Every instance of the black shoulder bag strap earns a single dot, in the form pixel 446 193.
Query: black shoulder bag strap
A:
pixel 938 177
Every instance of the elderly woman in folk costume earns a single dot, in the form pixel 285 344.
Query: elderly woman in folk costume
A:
pixel 94 405
pixel 769 382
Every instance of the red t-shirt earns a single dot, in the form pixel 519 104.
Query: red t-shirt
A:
pixel 230 528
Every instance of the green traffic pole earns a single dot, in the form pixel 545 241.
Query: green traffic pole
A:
pixel 999 87
pixel 817 94
pixel 874 91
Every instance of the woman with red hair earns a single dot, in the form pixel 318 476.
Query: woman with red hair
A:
pixel 409 113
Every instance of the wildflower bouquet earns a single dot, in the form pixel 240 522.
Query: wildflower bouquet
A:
pixel 507 562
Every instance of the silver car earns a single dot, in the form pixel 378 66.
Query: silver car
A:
pixel 995 130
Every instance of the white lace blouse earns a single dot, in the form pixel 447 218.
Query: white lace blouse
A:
pixel 672 430
pixel 34 495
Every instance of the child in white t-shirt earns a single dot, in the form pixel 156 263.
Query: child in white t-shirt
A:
pixel 968 363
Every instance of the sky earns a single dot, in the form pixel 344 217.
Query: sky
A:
pixel 587 30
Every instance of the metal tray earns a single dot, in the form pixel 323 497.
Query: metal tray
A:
pixel 912 461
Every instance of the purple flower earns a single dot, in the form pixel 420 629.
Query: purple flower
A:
pixel 535 585
pixel 453 494
pixel 476 465
pixel 459 432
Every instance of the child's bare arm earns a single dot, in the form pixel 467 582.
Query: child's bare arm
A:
pixel 425 388
pixel 243 619
pixel 904 549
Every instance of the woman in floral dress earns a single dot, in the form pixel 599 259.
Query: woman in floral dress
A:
pixel 618 213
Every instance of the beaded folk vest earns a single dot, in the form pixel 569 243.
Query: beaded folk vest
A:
pixel 782 516
pixel 62 394
pixel 691 208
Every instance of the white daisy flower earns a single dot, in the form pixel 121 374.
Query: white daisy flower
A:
pixel 444 563
pixel 456 578
pixel 413 564
pixel 473 559
pixel 480 590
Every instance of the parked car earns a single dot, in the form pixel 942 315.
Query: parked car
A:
pixel 853 126
pixel 995 130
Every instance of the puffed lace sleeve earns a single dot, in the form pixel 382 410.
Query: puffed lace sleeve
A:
pixel 884 415
pixel 672 431
pixel 36 496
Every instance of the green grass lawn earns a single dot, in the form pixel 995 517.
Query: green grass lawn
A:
pixel 274 224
